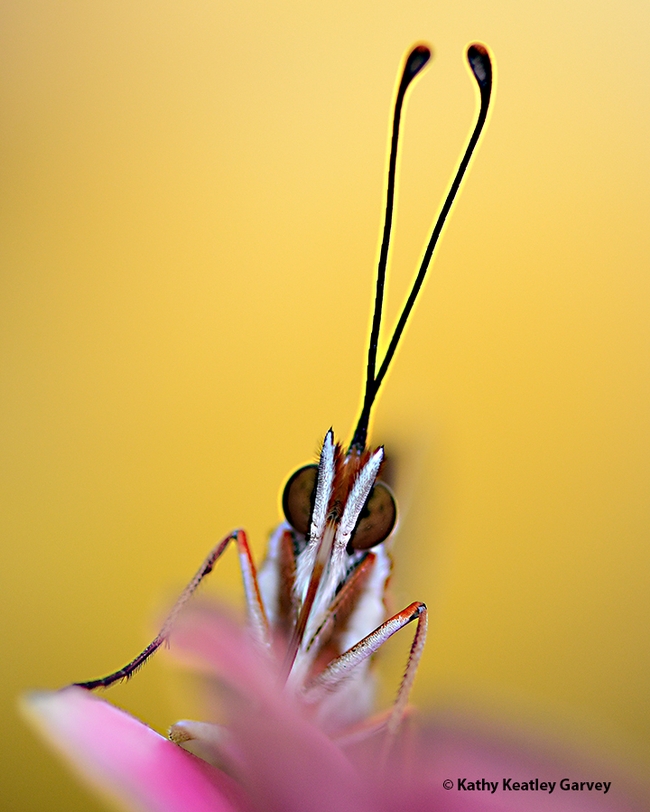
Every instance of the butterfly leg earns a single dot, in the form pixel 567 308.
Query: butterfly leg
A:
pixel 255 607
pixel 341 667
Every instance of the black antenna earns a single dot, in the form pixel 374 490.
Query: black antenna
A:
pixel 481 67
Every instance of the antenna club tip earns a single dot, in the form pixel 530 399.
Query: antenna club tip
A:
pixel 417 58
pixel 480 65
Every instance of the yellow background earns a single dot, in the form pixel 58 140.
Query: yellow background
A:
pixel 191 198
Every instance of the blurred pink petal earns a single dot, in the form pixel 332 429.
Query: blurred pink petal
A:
pixel 209 640
pixel 125 759
pixel 286 762
pixel 279 760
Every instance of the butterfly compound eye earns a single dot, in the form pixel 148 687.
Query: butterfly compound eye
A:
pixel 377 519
pixel 298 498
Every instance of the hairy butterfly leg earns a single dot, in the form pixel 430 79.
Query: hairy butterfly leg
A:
pixel 256 614
pixel 341 667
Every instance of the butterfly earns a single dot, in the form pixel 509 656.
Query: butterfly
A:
pixel 317 602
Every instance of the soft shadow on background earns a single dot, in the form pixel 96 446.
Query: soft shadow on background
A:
pixel 191 199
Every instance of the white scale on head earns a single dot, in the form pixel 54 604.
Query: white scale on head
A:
pixel 328 537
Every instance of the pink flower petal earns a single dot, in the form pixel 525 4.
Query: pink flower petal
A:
pixel 290 765
pixel 283 762
pixel 125 759
pixel 209 640
pixel 287 763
